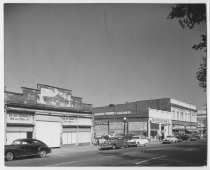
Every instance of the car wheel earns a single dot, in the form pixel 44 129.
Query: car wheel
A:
pixel 42 153
pixel 138 144
pixel 9 156
pixel 146 144
pixel 113 147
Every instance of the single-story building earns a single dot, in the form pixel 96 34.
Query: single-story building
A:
pixel 48 113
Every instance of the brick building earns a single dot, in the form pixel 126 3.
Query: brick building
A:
pixel 50 114
pixel 147 117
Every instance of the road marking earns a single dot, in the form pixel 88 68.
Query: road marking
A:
pixel 149 159
pixel 63 163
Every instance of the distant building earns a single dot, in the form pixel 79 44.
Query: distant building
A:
pixel 202 121
pixel 50 114
pixel 147 117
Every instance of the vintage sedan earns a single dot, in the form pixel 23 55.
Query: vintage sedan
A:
pixel 170 139
pixel 113 143
pixel 138 141
pixel 25 147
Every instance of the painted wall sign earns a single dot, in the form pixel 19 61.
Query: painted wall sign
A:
pixel 69 121
pixel 56 97
pixel 101 123
pixel 84 121
pixel 159 120
pixel 124 112
pixel 21 118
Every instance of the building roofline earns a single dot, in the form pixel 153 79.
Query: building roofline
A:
pixel 13 93
pixel 39 107
pixel 39 85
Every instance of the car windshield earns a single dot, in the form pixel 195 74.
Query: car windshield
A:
pixel 135 137
pixel 16 142
pixel 170 136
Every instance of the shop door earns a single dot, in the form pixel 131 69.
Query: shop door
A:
pixel 69 138
pixel 84 137
pixel 49 133
pixel 11 136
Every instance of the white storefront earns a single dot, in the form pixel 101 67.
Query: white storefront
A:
pixel 19 125
pixel 163 119
pixel 49 114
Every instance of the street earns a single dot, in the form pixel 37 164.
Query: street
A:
pixel 179 154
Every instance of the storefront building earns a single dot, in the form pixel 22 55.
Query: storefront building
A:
pixel 49 114
pixel 202 121
pixel 147 117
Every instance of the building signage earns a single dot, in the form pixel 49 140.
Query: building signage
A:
pixel 56 97
pixel 124 112
pixel 110 113
pixel 20 118
pixel 101 123
pixel 98 114
pixel 69 121
pixel 159 120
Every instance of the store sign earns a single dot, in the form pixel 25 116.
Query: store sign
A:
pixel 110 113
pixel 20 118
pixel 69 121
pixel 84 121
pixel 159 120
pixel 101 123
pixel 124 112
pixel 56 97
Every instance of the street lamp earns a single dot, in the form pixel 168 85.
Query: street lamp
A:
pixel 124 122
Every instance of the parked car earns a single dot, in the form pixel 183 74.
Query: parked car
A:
pixel 113 143
pixel 25 147
pixel 100 139
pixel 138 141
pixel 170 139
pixel 194 137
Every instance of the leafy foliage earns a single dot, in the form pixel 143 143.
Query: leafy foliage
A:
pixel 189 15
pixel 201 74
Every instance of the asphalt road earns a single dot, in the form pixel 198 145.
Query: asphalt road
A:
pixel 180 154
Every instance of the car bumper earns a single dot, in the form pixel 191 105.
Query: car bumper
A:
pixel 131 144
pixel 105 147
pixel 167 141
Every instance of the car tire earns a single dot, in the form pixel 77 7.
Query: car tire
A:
pixel 42 153
pixel 113 146
pixel 9 156
pixel 146 144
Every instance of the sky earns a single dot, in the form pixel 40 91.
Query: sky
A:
pixel 104 53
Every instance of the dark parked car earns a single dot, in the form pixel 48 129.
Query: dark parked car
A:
pixel 25 147
pixel 113 143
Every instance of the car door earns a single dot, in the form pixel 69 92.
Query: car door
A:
pixel 18 148
pixel 36 146
pixel 25 148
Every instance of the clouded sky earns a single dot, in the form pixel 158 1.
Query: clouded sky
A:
pixel 104 53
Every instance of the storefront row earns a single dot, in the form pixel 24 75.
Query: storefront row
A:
pixel 158 122
pixel 55 129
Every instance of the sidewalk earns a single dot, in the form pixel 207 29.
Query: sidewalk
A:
pixel 84 148
pixel 74 148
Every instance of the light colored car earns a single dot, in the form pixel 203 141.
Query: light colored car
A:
pixel 138 141
pixel 170 139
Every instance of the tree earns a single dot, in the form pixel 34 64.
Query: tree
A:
pixel 189 15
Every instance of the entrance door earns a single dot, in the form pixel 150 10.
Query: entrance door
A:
pixel 48 132
pixel 69 138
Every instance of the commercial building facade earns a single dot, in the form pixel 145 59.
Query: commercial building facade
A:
pixel 147 117
pixel 48 113
pixel 202 121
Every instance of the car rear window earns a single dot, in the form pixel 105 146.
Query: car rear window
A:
pixel 16 142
